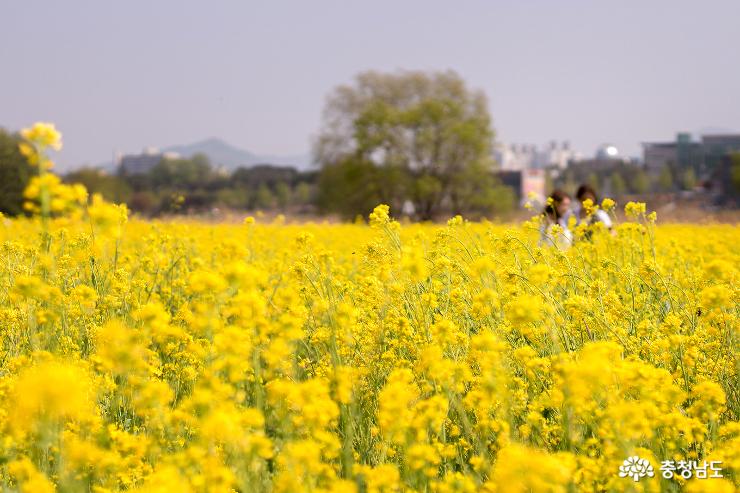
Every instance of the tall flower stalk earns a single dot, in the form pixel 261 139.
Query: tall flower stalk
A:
pixel 38 139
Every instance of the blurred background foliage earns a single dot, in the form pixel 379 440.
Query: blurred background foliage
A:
pixel 418 141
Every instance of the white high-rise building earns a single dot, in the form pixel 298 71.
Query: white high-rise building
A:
pixel 516 157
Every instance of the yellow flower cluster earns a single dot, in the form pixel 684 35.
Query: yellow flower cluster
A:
pixel 37 140
pixel 44 135
pixel 63 198
pixel 178 356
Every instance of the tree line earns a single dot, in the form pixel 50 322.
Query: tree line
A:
pixel 418 141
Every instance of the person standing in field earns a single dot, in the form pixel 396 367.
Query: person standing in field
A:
pixel 585 212
pixel 554 228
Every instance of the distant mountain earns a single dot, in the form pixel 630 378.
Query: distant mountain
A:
pixel 222 153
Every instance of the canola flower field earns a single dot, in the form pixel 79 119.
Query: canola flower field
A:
pixel 189 357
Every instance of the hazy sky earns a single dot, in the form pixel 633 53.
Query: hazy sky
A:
pixel 123 75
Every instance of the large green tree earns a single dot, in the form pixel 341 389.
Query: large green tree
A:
pixel 423 137
pixel 353 186
pixel 15 172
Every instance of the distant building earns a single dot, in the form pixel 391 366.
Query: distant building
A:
pixel 607 157
pixel 533 185
pixel 704 157
pixel 556 156
pixel 527 184
pixel 606 152
pixel 722 184
pixel 514 157
pixel 679 155
pixel 141 164
pixel 717 148
pixel 657 155
pixel 517 157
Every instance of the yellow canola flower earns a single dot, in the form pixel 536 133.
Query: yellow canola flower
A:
pixel 522 469
pixel 51 392
pixel 715 297
pixel 396 398
pixel 712 486
pixel 185 356
pixel 43 135
pixel 589 207
pixel 635 209
pixel 165 480
pixel 608 204
pixel 107 217
pixel 380 215
pixel 30 479
pixel 63 198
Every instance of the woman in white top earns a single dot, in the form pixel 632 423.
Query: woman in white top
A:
pixel 554 229
pixel 586 192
